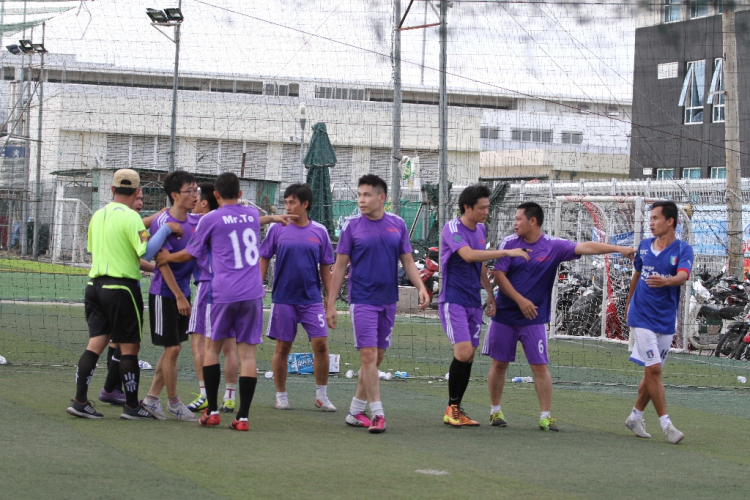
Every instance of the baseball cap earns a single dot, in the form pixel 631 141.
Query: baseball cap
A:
pixel 126 178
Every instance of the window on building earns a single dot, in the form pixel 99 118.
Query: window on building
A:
pixel 340 93
pixel 664 173
pixel 698 8
pixel 719 4
pixel 489 133
pixel 716 91
pixel 692 91
pixel 718 172
pixel 572 137
pixel 531 135
pixel 584 107
pixel 672 10
pixel 691 173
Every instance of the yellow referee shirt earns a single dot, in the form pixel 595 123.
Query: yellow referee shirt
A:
pixel 117 239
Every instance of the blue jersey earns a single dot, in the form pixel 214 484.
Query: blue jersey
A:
pixel 656 308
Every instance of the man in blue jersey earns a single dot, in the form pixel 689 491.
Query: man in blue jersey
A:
pixel 169 313
pixel 303 262
pixel 662 265
pixel 374 242
pixel 462 256
pixel 523 305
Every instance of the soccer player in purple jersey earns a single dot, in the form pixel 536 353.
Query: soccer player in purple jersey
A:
pixel 303 262
pixel 169 313
pixel 462 256
pixel 373 242
pixel 229 237
pixel 523 305
pixel 662 266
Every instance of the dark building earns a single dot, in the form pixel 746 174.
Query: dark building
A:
pixel 678 101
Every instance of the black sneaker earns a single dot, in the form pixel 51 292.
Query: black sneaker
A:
pixel 83 410
pixel 138 413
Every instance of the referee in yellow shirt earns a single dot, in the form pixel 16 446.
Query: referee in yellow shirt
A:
pixel 117 239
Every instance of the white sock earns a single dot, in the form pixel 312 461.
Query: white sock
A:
pixel 664 421
pixel 243 420
pixel 320 391
pixel 282 396
pixel 357 406
pixel 637 414
pixel 229 392
pixel 376 408
pixel 545 414
pixel 202 387
pixel 494 409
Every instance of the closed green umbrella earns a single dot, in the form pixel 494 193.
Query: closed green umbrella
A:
pixel 320 157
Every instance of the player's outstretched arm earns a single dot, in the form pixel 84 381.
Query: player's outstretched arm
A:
pixel 407 260
pixel 163 258
pixel 147 267
pixel 526 306
pixel 655 281
pixel 283 219
pixel 633 283
pixel 339 271
pixel 594 248
pixel 148 220
pixel 472 255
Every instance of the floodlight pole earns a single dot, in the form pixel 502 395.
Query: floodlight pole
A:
pixel 732 142
pixel 27 159
pixel 396 147
pixel 173 132
pixel 37 184
pixel 443 192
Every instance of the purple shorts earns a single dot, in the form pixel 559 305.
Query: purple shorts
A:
pixel 372 325
pixel 461 323
pixel 242 321
pixel 198 313
pixel 500 343
pixel 282 325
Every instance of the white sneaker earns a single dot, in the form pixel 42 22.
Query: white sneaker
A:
pixel 182 413
pixel 638 426
pixel 673 435
pixel 283 404
pixel 154 408
pixel 324 404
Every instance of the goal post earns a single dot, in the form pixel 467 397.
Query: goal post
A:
pixel 590 300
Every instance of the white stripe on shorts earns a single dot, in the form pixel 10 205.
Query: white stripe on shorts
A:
pixel 159 323
pixel 270 319
pixel 208 321
pixel 354 330
pixel 194 311
pixel 486 343
pixel 448 326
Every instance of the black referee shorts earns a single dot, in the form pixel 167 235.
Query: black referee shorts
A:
pixel 168 326
pixel 114 306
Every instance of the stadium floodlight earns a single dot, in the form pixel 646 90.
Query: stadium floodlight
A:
pixel 26 46
pixel 174 14
pixel 39 48
pixel 157 16
pixel 14 49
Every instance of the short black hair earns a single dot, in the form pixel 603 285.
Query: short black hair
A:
pixel 374 181
pixel 531 209
pixel 228 186
pixel 302 192
pixel 173 182
pixel 125 191
pixel 471 195
pixel 207 194
pixel 668 210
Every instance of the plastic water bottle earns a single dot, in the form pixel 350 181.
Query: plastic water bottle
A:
pixel 349 374
pixel 517 380
pixel 269 374
pixel 401 375
pixel 144 365
pixel 3 361
pixel 741 379
pixel 527 380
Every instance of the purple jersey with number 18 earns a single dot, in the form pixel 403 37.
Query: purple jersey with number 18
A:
pixel 229 237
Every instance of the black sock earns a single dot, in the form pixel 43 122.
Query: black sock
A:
pixel 247 391
pixel 130 374
pixel 113 370
pixel 456 381
pixel 84 372
pixel 212 379
pixel 465 381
